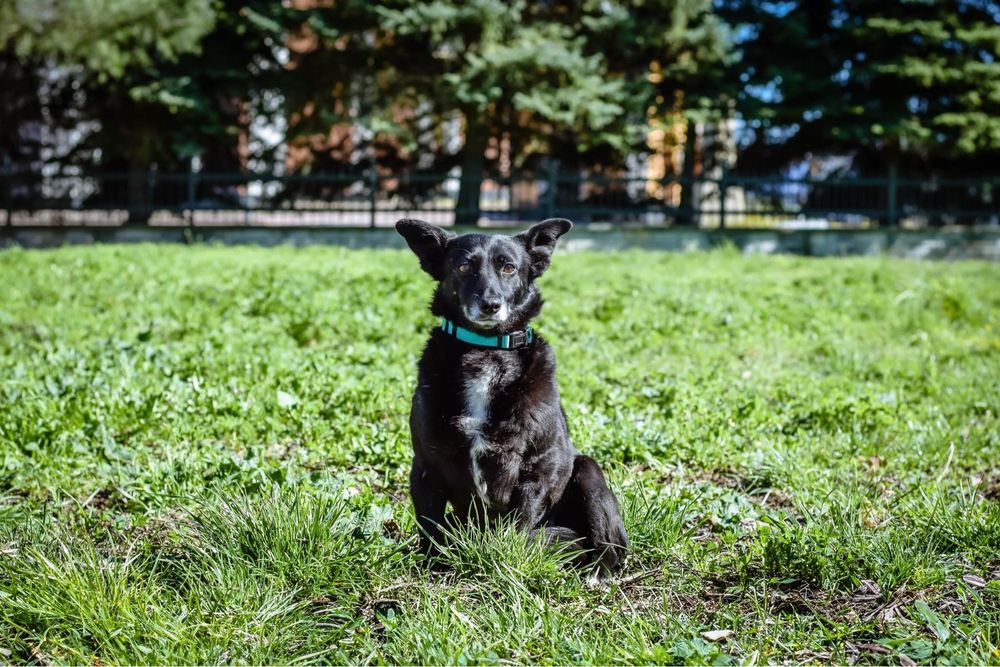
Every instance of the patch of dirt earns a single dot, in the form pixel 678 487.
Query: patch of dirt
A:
pixel 873 464
pixel 865 607
pixel 106 499
pixel 396 598
pixel 103 499
pixel 650 589
pixel 991 487
pixel 162 529
pixel 866 604
pixel 392 530
pixel 757 490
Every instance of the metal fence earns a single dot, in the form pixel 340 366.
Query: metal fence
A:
pixel 369 199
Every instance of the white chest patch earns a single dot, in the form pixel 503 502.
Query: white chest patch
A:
pixel 478 394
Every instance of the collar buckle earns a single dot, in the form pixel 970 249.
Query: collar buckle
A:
pixel 517 339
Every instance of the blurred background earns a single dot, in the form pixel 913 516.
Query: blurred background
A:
pixel 735 113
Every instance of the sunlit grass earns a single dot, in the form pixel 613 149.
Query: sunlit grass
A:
pixel 203 457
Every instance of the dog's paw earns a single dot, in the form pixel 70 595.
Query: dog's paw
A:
pixel 610 560
pixel 610 549
pixel 597 580
pixel 603 570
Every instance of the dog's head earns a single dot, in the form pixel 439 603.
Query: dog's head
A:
pixel 485 282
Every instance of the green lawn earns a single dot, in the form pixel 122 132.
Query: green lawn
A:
pixel 203 455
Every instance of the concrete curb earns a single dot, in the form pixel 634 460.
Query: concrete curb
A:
pixel 939 243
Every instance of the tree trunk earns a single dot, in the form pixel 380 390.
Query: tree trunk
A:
pixel 686 215
pixel 138 195
pixel 476 138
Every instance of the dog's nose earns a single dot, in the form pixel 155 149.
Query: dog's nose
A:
pixel 491 306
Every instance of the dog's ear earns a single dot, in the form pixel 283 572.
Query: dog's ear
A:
pixel 428 243
pixel 540 242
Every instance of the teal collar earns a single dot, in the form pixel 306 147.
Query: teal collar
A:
pixel 511 341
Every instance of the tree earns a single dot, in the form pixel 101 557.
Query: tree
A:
pixel 105 37
pixel 199 104
pixel 52 50
pixel 881 81
pixel 387 84
pixel 562 82
pixel 496 64
pixel 158 82
pixel 22 118
pixel 677 54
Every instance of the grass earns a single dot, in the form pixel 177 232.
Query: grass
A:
pixel 203 455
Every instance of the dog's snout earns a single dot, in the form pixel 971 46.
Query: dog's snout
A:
pixel 491 306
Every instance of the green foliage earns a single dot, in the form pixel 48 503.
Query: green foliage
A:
pixel 569 84
pixel 167 81
pixel 203 459
pixel 106 36
pixel 501 60
pixel 919 79
pixel 151 84
pixel 145 84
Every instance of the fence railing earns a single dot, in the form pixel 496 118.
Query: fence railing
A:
pixel 369 199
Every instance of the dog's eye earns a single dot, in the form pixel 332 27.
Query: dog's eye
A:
pixel 508 269
pixel 464 268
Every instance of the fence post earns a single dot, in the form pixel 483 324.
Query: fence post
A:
pixel 722 195
pixel 192 194
pixel 373 194
pixel 892 186
pixel 6 198
pixel 553 177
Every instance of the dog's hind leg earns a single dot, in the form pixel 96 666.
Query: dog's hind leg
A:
pixel 565 540
pixel 589 508
pixel 559 536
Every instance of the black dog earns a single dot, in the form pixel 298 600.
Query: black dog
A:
pixel 489 432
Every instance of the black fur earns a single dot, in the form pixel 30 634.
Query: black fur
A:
pixel 489 432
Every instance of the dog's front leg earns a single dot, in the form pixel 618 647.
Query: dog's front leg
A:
pixel 541 480
pixel 429 503
pixel 529 504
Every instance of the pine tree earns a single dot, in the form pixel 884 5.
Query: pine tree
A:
pixel 561 82
pixel 913 84
pixel 574 84
pixel 52 51
pixel 106 37
pixel 499 67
